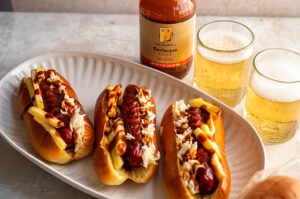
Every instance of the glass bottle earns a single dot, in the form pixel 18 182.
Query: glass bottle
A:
pixel 167 35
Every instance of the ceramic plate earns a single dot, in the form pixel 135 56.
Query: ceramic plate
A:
pixel 89 74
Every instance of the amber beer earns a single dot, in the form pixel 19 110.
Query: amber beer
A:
pixel 273 97
pixel 222 61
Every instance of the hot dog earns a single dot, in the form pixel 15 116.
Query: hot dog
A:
pixel 193 143
pixel 125 132
pixel 56 124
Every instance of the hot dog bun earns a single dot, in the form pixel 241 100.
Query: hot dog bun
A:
pixel 283 187
pixel 186 147
pixel 50 141
pixel 113 118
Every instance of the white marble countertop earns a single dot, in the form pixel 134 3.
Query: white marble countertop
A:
pixel 26 35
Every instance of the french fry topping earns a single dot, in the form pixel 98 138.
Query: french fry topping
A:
pixel 113 96
pixel 200 102
pixel 40 72
pixel 55 110
pixel 117 159
pixel 37 91
pixel 29 85
pixel 54 134
pixel 45 117
pixel 217 166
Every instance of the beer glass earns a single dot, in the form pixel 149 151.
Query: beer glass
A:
pixel 223 59
pixel 272 103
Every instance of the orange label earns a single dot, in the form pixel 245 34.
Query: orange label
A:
pixel 166 45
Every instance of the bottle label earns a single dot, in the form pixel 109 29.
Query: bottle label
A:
pixel 166 45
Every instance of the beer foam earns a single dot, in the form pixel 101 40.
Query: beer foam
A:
pixel 227 43
pixel 277 91
pixel 286 71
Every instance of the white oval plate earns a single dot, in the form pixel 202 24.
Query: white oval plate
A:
pixel 89 74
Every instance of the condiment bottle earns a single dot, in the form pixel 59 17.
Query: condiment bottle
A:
pixel 167 35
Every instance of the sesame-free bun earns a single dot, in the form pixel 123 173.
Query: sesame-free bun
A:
pixel 283 187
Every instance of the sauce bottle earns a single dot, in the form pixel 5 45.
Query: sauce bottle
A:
pixel 167 35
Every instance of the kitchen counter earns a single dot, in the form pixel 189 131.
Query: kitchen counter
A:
pixel 26 35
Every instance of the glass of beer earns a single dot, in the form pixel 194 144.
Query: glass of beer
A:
pixel 272 103
pixel 223 59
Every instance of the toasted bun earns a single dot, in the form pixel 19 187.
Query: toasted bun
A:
pixel 282 187
pixel 173 182
pixel 103 162
pixel 41 139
